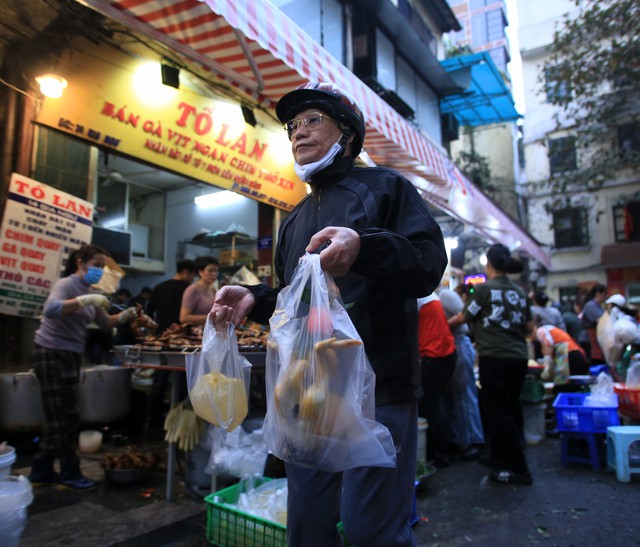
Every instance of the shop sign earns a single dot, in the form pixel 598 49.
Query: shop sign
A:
pixel 475 279
pixel 41 225
pixel 115 103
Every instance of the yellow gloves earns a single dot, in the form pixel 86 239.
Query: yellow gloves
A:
pixel 182 426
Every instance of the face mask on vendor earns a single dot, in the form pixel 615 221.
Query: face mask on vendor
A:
pixel 93 275
pixel 93 269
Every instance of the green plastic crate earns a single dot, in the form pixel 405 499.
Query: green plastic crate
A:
pixel 229 527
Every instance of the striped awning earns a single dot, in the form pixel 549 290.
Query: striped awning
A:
pixel 254 47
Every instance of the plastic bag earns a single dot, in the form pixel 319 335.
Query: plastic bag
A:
pixel 218 379
pixel 237 453
pixel 320 385
pixel 605 336
pixel 602 393
pixel 633 376
pixel 264 499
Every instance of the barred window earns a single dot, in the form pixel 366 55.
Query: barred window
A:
pixel 571 227
pixel 562 155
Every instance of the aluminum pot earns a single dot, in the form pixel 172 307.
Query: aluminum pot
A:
pixel 20 402
pixel 104 394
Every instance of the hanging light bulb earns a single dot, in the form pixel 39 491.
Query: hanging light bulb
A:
pixel 51 85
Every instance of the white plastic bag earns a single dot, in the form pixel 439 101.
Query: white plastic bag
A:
pixel 218 379
pixel 320 385
pixel 264 499
pixel 602 393
pixel 237 453
pixel 633 376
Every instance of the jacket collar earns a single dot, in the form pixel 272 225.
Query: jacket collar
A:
pixel 331 174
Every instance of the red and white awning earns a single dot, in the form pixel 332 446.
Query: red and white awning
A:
pixel 254 47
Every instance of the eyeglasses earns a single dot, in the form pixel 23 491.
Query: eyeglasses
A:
pixel 311 122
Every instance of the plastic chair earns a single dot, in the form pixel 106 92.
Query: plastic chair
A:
pixel 619 440
pixel 571 453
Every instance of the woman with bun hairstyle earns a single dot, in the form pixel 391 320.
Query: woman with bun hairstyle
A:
pixel 500 315
pixel 59 344
pixel 198 298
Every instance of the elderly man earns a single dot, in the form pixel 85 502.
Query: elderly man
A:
pixel 377 238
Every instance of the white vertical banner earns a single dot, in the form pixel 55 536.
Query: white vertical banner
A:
pixel 41 225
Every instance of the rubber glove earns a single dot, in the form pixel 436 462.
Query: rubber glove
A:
pixel 172 422
pixel 189 435
pixel 97 300
pixel 128 314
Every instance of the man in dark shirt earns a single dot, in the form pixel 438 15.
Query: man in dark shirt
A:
pixel 164 308
pixel 166 298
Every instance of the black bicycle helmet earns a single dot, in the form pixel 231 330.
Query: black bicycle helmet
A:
pixel 328 98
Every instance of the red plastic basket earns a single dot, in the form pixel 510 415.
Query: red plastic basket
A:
pixel 628 401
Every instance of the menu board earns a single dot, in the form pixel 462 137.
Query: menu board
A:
pixel 40 227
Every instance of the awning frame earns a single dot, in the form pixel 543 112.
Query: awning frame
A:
pixel 487 98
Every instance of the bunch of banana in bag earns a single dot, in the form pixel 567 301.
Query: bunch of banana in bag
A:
pixel 302 393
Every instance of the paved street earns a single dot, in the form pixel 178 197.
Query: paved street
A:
pixel 574 506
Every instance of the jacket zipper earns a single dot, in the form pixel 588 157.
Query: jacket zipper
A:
pixel 318 210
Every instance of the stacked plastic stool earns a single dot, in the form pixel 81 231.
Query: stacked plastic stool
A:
pixel 622 457
pixel 583 426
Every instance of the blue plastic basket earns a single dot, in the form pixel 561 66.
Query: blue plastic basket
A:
pixel 573 415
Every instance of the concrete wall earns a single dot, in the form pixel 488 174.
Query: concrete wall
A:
pixel 495 143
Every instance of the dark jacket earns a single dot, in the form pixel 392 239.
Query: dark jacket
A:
pixel 402 258
pixel 165 303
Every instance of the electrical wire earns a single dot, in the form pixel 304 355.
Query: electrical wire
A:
pixel 36 99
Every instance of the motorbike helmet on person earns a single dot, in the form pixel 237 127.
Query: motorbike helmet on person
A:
pixel 330 99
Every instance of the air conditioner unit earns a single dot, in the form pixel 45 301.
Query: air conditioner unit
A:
pixel 450 127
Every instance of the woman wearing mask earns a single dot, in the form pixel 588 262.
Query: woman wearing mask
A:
pixel 500 315
pixel 198 298
pixel 59 344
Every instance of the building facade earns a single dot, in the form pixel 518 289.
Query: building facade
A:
pixel 592 236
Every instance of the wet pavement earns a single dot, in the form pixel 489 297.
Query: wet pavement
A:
pixel 566 506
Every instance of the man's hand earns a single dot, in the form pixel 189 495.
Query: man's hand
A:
pixel 232 304
pixel 97 300
pixel 343 247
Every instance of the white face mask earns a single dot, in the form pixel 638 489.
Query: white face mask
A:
pixel 305 172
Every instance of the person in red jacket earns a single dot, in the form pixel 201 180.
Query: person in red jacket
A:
pixel 438 359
